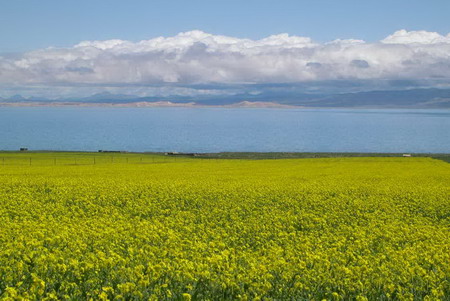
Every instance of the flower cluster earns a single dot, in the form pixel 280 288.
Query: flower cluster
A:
pixel 303 229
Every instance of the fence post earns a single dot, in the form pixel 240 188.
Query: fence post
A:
pixel 30 161
pixel 94 160
pixel 54 161
pixel 127 160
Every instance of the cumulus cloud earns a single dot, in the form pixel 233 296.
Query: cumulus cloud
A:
pixel 197 57
pixel 416 37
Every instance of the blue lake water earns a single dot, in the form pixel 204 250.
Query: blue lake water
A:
pixel 224 129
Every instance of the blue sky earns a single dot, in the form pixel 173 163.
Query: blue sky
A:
pixel 27 25
pixel 62 48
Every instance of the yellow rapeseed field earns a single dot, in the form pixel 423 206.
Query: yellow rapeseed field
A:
pixel 294 229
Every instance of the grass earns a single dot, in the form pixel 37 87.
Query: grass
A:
pixel 294 155
pixel 88 158
pixel 82 158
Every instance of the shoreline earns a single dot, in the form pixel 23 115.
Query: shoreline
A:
pixel 145 104
pixel 235 155
pixel 239 105
pixel 251 156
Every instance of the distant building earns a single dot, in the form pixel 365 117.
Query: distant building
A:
pixel 407 155
pixel 23 149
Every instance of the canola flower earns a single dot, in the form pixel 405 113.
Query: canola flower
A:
pixel 297 229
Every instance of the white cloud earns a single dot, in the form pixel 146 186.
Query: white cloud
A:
pixel 416 37
pixel 197 57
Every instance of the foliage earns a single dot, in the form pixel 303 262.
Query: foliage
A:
pixel 303 229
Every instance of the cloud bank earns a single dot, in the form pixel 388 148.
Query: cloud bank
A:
pixel 196 57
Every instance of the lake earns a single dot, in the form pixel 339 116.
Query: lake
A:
pixel 224 129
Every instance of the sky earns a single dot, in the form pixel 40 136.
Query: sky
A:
pixel 77 48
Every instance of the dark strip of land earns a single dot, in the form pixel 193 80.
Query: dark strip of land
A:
pixel 293 155
pixel 250 155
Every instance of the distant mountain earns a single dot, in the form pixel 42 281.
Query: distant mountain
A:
pixel 414 98
pixel 439 98
pixel 17 97
pixel 108 96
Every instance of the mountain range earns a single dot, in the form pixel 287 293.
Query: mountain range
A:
pixel 412 98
